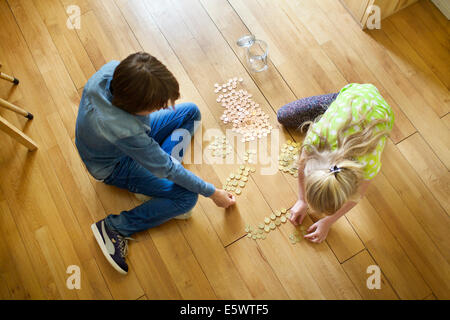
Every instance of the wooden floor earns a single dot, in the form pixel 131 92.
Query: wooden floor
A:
pixel 48 201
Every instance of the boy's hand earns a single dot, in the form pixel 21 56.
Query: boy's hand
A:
pixel 223 198
pixel 298 212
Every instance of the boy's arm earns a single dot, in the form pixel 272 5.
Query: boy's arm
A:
pixel 147 152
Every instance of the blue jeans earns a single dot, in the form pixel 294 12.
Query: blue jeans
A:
pixel 168 199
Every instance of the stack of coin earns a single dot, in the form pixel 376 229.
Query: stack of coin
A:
pixel 289 156
pixel 241 111
pixel 220 147
pixel 237 181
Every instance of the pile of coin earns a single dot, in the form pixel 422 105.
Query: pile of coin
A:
pixel 237 181
pixel 288 158
pixel 270 223
pixel 241 111
pixel 296 237
pixel 220 147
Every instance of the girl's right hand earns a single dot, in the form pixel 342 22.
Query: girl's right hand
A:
pixel 223 198
pixel 298 212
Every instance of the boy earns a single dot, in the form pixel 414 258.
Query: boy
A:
pixel 124 137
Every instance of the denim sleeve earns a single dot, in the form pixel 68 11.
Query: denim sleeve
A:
pixel 147 152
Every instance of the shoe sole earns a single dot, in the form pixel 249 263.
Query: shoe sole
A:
pixel 102 246
pixel 184 216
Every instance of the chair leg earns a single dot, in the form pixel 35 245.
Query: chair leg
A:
pixel 9 78
pixel 12 107
pixel 17 134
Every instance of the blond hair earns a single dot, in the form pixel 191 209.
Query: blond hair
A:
pixel 332 177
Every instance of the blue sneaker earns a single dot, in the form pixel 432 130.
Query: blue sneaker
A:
pixel 113 245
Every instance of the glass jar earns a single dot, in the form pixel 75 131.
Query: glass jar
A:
pixel 256 52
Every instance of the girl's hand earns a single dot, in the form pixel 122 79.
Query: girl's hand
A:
pixel 298 212
pixel 319 230
pixel 223 198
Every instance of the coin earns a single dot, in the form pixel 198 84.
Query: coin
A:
pixel 267 220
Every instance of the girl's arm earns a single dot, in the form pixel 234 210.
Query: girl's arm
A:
pixel 319 230
pixel 349 204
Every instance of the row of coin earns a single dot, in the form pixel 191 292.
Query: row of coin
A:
pixel 270 224
pixel 250 156
pixel 237 181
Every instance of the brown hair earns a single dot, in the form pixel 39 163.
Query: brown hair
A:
pixel 142 83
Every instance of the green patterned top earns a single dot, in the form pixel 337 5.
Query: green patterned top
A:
pixel 364 95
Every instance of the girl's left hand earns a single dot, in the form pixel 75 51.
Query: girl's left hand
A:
pixel 318 231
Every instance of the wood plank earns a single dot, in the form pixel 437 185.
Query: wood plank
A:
pixel 356 268
pixel 259 277
pixel 214 260
pixel 446 121
pixel 315 75
pixel 96 43
pixel 55 262
pixel 433 174
pixel 413 66
pixel 48 60
pixel 181 263
pixel 402 223
pixel 436 14
pixel 105 41
pixel 19 276
pixel 387 252
pixel 15 53
pixel 411 102
pixel 432 51
pixel 348 60
pixel 69 47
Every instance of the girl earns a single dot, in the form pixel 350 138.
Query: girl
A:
pixel 341 151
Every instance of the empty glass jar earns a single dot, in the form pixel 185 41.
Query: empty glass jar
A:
pixel 256 52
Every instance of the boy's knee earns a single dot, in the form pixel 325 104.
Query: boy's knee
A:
pixel 188 200
pixel 194 111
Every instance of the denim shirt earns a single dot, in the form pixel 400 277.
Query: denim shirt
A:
pixel 104 134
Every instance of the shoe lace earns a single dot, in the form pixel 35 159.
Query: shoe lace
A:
pixel 123 245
